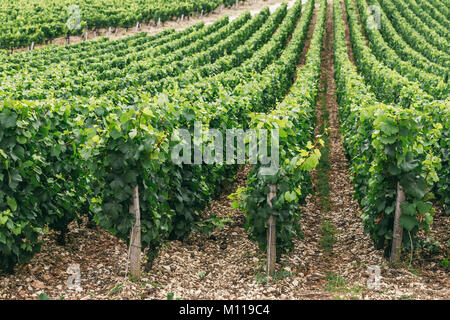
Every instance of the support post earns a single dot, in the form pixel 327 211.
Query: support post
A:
pixel 135 238
pixel 398 230
pixel 271 233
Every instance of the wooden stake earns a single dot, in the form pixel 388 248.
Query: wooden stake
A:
pixel 271 234
pixel 398 230
pixel 135 238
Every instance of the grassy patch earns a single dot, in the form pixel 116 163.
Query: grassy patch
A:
pixel 261 277
pixel 323 168
pixel 43 296
pixel 445 263
pixel 328 239
pixel 335 282
pixel 117 288
pixel 323 174
pixel 280 275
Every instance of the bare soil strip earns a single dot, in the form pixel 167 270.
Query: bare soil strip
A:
pixel 307 44
pixel 363 32
pixel 347 34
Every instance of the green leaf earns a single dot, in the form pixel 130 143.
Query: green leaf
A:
pixel 17 230
pixel 3 220
pixel 132 133
pixel 389 127
pixel 388 140
pixel 8 120
pixel 409 163
pixel 423 207
pixel 12 203
pixel 393 169
pixel 390 150
pixel 408 222
pixel 408 208
pixel 3 154
pixel 15 178
pixel 290 196
pixel 147 111
pixel 417 188
pixel 21 139
pixel 115 134
pixel 404 131
pixel 235 204
pixel 2 238
pixel 311 162
pixel 189 114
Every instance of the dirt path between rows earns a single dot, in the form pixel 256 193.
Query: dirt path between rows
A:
pixel 307 44
pixel 335 230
